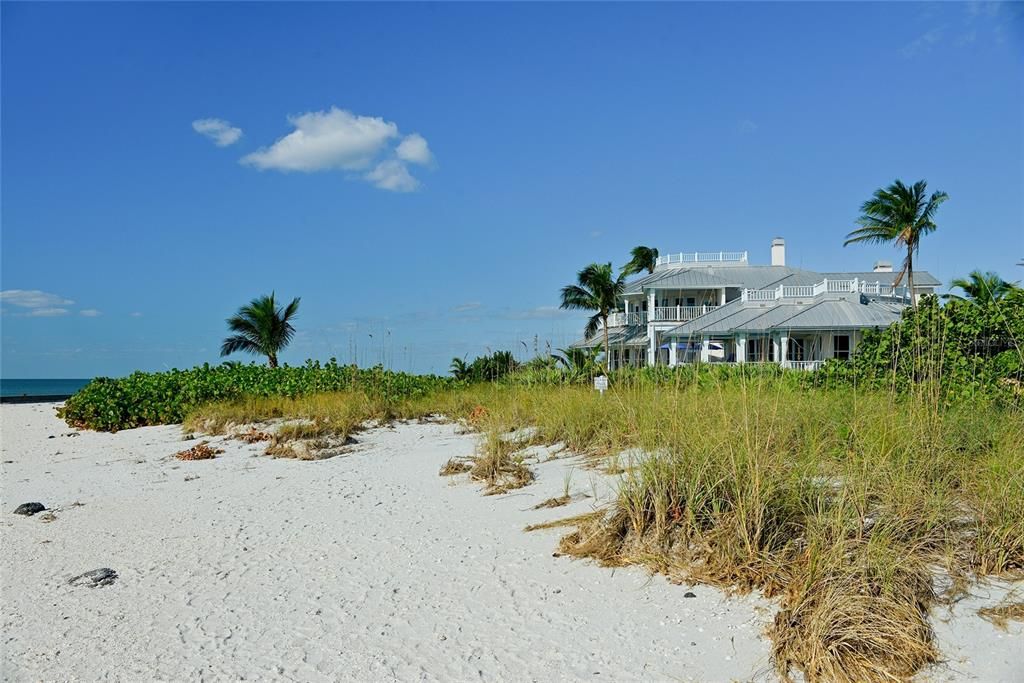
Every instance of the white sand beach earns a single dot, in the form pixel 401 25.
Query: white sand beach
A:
pixel 366 566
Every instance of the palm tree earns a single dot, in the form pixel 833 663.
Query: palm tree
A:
pixel 459 369
pixel 598 290
pixel 262 328
pixel 644 258
pixel 578 362
pixel 981 288
pixel 899 215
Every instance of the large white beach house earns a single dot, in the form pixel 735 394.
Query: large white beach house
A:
pixel 718 308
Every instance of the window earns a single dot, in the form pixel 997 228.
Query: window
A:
pixel 690 301
pixel 760 350
pixel 795 349
pixel 841 346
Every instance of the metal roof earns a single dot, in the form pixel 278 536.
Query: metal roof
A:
pixel 756 277
pixel 684 278
pixel 842 312
pixel 634 335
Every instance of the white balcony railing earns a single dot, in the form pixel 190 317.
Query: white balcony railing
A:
pixel 620 319
pixel 808 365
pixel 830 286
pixel 680 313
pixel 703 257
pixel 661 314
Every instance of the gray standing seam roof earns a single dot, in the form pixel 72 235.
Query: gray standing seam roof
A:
pixel 829 314
pixel 630 336
pixel 757 277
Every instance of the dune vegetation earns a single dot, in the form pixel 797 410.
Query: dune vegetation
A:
pixel 859 510
pixel 859 496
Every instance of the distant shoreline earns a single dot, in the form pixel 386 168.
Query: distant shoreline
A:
pixel 33 390
pixel 25 398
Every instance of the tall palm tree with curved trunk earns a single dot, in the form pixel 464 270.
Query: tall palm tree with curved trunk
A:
pixel 596 289
pixel 262 328
pixel 643 258
pixel 901 216
pixel 981 288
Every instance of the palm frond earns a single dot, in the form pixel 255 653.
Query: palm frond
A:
pixel 261 327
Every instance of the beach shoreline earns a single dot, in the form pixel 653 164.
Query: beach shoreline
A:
pixel 365 566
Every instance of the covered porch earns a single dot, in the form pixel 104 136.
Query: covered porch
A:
pixel 793 349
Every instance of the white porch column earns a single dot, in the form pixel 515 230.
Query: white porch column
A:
pixel 783 348
pixel 775 345
pixel 721 297
pixel 741 348
pixel 704 350
pixel 652 334
pixel 672 346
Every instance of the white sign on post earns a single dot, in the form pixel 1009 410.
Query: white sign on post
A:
pixel 601 383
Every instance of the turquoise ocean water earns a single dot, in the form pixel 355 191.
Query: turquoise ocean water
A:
pixel 40 387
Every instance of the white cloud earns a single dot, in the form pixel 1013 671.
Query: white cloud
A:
pixel 468 306
pixel 89 312
pixel 414 149
pixel 220 131
pixel 392 175
pixel 33 298
pixel 136 314
pixel 326 140
pixel 46 312
pixel 340 140
pixel 923 43
pixel 538 313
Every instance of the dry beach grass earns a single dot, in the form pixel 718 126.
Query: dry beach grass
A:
pixel 846 506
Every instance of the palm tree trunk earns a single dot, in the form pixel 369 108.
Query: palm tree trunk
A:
pixel 910 275
pixel 607 355
pixel 272 360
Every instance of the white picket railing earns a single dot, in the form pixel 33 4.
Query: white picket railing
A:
pixel 803 364
pixel 703 257
pixel 661 314
pixel 830 286
pixel 680 313
pixel 620 319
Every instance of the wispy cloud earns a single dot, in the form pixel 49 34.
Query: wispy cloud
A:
pixel 220 131
pixel 136 314
pixel 36 303
pixel 468 306
pixel 33 298
pixel 46 312
pixel 339 140
pixel 963 25
pixel 90 313
pixel 537 313
pixel 923 43
pixel 746 126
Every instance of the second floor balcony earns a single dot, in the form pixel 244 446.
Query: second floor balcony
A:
pixel 666 314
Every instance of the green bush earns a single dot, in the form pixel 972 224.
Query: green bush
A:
pixel 153 398
pixel 964 350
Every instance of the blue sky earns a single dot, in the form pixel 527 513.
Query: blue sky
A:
pixel 426 177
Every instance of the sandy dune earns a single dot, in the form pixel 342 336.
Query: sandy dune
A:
pixel 367 566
